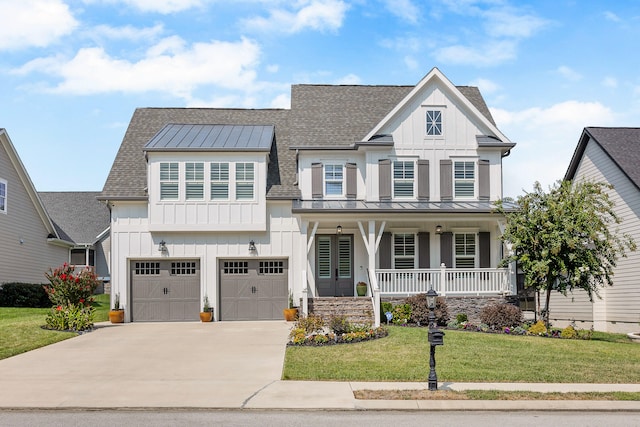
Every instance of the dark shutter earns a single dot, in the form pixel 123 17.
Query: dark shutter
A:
pixel 424 253
pixel 352 180
pixel 385 251
pixel 484 245
pixel 446 249
pixel 384 179
pixel 423 179
pixel 446 180
pixel 316 181
pixel 483 178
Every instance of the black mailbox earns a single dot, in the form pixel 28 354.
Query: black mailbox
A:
pixel 436 337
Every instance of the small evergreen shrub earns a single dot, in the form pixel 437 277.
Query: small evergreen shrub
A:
pixel 23 295
pixel 499 316
pixel 462 317
pixel 538 328
pixel 340 324
pixel 385 307
pixel 401 314
pixel 569 332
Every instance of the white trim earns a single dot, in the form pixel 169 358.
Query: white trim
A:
pixel 3 209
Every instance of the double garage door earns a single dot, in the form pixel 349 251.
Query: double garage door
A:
pixel 253 289
pixel 169 290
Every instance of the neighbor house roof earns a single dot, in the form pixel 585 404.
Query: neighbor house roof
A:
pixel 320 115
pixel 78 216
pixel 621 144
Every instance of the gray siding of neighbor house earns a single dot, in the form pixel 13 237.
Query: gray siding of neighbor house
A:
pixel 621 302
pixel 27 261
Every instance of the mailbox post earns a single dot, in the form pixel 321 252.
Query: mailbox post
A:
pixel 436 337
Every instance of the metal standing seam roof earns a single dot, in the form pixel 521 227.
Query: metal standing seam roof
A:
pixel 360 206
pixel 212 137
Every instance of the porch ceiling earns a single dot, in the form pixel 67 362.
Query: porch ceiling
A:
pixel 360 206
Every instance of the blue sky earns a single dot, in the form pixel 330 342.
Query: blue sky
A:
pixel 73 71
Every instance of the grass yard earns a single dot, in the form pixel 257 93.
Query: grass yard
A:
pixel 21 328
pixel 470 357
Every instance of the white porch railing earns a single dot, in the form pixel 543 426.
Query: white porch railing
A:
pixel 445 281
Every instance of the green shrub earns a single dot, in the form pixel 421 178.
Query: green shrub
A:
pixel 569 332
pixel 462 317
pixel 420 310
pixel 23 295
pixel 72 317
pixel 499 316
pixel 401 314
pixel 538 328
pixel 384 308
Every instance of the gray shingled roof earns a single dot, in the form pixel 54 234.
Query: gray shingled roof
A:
pixel 622 145
pixel 320 115
pixel 78 216
pixel 190 137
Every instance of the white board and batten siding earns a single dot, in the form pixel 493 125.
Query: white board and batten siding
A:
pixel 619 308
pixel 133 239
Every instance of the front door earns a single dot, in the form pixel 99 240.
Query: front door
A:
pixel 334 265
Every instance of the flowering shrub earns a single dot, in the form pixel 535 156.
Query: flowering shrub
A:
pixel 71 296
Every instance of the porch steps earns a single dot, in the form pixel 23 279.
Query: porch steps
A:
pixel 359 310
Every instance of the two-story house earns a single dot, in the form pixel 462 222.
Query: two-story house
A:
pixel 389 185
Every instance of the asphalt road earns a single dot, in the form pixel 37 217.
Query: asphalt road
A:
pixel 275 418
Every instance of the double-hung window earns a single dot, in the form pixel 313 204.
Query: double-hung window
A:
pixel 219 181
pixel 194 180
pixel 465 250
pixel 404 250
pixel 333 180
pixel 3 196
pixel 169 181
pixel 403 178
pixel 464 181
pixel 244 181
pixel 434 123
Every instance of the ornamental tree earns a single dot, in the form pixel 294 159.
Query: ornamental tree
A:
pixel 565 239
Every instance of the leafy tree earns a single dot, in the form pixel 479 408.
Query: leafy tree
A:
pixel 566 238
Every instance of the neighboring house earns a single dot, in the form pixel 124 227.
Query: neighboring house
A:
pixel 29 241
pixel 83 220
pixel 381 184
pixel 609 155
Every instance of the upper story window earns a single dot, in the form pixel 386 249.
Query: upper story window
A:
pixel 403 178
pixel 464 179
pixel 404 250
pixel 465 250
pixel 3 196
pixel 194 181
pixel 333 180
pixel 434 122
pixel 169 181
pixel 244 181
pixel 219 181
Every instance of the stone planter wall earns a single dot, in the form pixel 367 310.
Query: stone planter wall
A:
pixel 470 305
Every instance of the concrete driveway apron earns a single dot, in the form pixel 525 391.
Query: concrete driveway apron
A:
pixel 212 365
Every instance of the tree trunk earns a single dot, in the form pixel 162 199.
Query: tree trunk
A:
pixel 546 308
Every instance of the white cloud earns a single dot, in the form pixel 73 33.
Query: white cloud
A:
pixel 349 79
pixel 281 101
pixel 486 86
pixel 38 23
pixel 127 32
pixel 492 53
pixel 411 62
pixel 319 15
pixel 170 66
pixel 157 6
pixel 546 139
pixel 509 23
pixel 273 68
pixel 568 73
pixel 403 9
pixel 612 16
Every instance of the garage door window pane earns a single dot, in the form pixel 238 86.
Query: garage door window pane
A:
pixel 185 268
pixel 147 269
pixel 235 267
pixel 271 267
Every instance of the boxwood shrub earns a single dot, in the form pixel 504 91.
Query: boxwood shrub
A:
pixel 23 295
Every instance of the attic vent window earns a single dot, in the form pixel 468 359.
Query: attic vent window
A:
pixel 434 122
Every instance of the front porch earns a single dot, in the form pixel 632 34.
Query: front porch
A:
pixel 458 282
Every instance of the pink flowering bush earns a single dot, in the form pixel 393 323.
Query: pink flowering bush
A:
pixel 71 296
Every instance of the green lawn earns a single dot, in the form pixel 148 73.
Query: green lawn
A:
pixel 21 328
pixel 470 357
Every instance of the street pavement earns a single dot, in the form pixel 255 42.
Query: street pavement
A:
pixel 219 365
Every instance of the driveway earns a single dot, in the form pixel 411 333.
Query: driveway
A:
pixel 213 365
